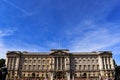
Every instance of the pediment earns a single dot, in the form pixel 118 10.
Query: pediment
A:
pixel 13 53
pixel 106 53
pixel 59 53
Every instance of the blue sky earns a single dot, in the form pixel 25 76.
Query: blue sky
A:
pixel 77 25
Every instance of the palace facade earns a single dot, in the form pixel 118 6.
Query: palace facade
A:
pixel 60 64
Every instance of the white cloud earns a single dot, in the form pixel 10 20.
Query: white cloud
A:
pixel 93 37
pixel 95 40
pixel 4 33
pixel 7 32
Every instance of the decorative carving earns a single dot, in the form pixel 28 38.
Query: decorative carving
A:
pixel 59 52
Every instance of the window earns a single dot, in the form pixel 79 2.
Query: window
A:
pixel 79 67
pixel 75 75
pixel 29 67
pixel 76 67
pixel 84 67
pixel 110 66
pixel 81 75
pixel 84 75
pixel 25 67
pixel 25 61
pixel 105 60
pixel 83 61
pixel 93 67
pixel 34 67
pixel 79 61
pixel 88 60
pixel 42 75
pixel 89 75
pixel 88 67
pixel 30 61
pixel 97 66
pixel 76 61
pixel 47 66
pixel 108 74
pixel 43 61
pixel 106 66
pixel 34 61
pixel 96 61
pixel 109 60
pixel 38 67
pixel 43 66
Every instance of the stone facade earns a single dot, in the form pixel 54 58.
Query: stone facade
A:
pixel 60 64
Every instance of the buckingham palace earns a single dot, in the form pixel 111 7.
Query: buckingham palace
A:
pixel 60 64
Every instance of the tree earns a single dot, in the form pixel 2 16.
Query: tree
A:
pixel 2 62
pixel 117 73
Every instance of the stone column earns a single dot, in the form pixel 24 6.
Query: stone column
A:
pixel 65 63
pixel 53 63
pixel 12 63
pixel 51 77
pixel 68 66
pixel 57 63
pixel 61 63
pixel 72 77
pixel 108 63
pixel 102 66
pixel 17 63
pixel 111 61
pixel 104 63
pixel 6 62
pixel 100 63
pixel 68 75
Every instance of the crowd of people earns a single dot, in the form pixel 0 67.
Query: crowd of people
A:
pixel 3 72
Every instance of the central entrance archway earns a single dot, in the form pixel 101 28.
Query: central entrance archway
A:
pixel 59 75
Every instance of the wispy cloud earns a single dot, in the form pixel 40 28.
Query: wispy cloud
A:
pixel 7 32
pixel 18 7
pixel 94 32
pixel 92 36
pixel 4 33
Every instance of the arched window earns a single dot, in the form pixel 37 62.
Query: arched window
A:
pixel 84 67
pixel 79 67
pixel 33 74
pixel 84 75
pixel 89 75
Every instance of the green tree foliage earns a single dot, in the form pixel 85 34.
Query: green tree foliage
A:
pixel 117 73
pixel 2 62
